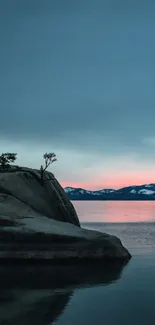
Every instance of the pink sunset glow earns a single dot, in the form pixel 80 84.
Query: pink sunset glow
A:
pixel 115 180
pixel 116 212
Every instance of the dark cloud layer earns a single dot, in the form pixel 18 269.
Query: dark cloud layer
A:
pixel 78 73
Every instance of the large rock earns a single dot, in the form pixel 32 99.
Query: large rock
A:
pixel 38 222
pixel 48 199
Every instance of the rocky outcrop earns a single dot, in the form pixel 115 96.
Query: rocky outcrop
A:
pixel 49 199
pixel 38 222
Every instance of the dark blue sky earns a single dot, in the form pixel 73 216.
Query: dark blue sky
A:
pixel 78 78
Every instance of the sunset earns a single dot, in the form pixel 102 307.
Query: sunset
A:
pixel 77 162
pixel 115 180
pixel 93 105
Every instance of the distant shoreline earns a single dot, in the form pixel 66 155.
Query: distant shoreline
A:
pixel 95 199
pixel 144 192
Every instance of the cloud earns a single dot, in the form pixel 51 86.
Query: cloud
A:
pixel 150 141
pixel 78 78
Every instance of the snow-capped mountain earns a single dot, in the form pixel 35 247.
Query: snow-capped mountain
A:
pixel 140 192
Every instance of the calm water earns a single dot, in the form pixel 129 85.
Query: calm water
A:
pixel 116 211
pixel 90 294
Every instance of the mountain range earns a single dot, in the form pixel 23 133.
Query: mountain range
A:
pixel 139 192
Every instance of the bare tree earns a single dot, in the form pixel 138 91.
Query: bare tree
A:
pixel 49 159
pixel 6 159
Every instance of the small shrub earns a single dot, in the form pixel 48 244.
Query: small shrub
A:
pixel 49 159
pixel 6 159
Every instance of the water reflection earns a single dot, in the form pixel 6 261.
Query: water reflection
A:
pixel 39 294
pixel 29 307
pixel 115 211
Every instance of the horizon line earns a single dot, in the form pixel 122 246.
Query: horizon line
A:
pixel 106 188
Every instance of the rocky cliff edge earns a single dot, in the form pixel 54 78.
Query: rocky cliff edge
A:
pixel 38 222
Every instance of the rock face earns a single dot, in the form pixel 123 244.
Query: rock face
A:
pixel 23 185
pixel 38 222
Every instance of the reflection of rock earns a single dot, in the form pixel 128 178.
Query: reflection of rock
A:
pixel 38 222
pixel 30 295
pixel 33 307
pixel 58 276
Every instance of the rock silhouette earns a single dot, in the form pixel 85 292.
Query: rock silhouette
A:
pixel 38 222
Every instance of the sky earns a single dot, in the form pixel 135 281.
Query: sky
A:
pixel 77 77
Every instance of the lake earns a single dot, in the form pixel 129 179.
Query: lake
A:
pixel 91 294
